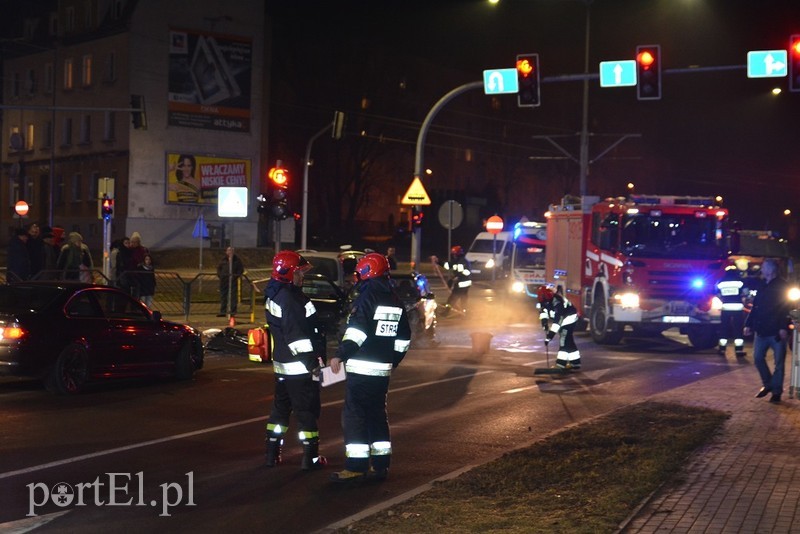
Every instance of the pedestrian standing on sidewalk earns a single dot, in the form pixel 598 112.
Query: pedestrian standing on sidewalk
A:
pixel 297 355
pixel 376 340
pixel 770 321
pixel 229 270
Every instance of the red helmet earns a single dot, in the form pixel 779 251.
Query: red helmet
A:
pixel 285 263
pixel 457 251
pixel 372 265
pixel 545 294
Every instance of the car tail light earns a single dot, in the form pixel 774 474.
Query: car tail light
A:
pixel 11 332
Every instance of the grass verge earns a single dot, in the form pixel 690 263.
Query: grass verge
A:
pixel 587 479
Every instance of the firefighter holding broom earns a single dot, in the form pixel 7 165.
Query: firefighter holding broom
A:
pixel 562 317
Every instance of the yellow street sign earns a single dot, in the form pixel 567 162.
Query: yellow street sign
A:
pixel 416 195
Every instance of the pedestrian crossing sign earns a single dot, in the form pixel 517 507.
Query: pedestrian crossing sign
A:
pixel 416 195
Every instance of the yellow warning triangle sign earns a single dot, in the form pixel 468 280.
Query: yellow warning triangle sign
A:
pixel 416 195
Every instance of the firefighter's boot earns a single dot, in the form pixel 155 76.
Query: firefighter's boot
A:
pixel 274 445
pixel 311 458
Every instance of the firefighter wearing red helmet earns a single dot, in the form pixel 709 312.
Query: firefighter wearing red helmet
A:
pixel 563 319
pixel 297 354
pixel 544 299
pixel 375 341
pixel 460 280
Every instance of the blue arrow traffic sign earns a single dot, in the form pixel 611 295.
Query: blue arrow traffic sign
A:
pixel 500 81
pixel 767 63
pixel 618 73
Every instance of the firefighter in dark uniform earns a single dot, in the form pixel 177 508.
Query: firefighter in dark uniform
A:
pixel 564 317
pixel 460 281
pixel 544 301
pixel 297 353
pixel 731 291
pixel 375 342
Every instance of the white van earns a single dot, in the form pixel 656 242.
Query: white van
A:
pixel 490 253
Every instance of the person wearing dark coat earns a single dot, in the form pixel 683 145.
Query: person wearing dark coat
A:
pixel 35 246
pixel 19 260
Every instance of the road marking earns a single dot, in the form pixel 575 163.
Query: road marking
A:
pixel 82 457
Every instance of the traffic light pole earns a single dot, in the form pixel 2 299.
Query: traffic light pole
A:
pixel 306 165
pixel 416 237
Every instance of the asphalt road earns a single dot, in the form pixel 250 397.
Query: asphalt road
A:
pixel 188 457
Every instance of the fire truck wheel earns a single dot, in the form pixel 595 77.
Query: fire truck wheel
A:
pixel 599 327
pixel 702 338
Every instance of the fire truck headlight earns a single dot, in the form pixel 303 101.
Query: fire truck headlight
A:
pixel 698 283
pixel 627 300
pixel 517 287
pixel 794 294
pixel 490 264
pixel 716 304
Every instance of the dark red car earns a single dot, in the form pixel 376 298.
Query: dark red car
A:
pixel 71 333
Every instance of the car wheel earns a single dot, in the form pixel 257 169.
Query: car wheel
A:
pixel 184 364
pixel 70 372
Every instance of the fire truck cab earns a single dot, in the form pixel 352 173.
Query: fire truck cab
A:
pixel 649 262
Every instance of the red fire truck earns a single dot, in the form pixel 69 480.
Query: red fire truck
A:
pixel 647 262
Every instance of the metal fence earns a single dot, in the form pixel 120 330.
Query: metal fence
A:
pixel 187 295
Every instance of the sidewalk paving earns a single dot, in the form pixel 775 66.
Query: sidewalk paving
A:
pixel 748 479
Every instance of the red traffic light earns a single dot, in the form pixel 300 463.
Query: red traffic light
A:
pixel 279 176
pixel 794 63
pixel 525 67
pixel 645 59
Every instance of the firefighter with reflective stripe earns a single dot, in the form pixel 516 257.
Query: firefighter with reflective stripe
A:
pixel 731 292
pixel 563 319
pixel 374 343
pixel 460 281
pixel 298 351
pixel 544 300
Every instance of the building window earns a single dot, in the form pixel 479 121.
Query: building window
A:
pixel 92 188
pixel 69 20
pixel 47 141
pixel 86 129
pixel 109 127
pixel 87 15
pixel 30 82
pixel 58 194
pixel 86 71
pixel 53 26
pixel 77 187
pixel 66 132
pixel 68 73
pixel 111 67
pixel 29 28
pixel 15 84
pixel 49 78
pixel 117 9
pixel 29 135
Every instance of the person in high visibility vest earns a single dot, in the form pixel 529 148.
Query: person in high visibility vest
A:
pixel 731 292
pixel 562 324
pixel 298 353
pixel 460 281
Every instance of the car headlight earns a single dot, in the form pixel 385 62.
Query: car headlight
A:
pixel 490 264
pixel 627 300
pixel 794 294
pixel 517 287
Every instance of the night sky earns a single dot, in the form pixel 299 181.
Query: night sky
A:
pixel 712 133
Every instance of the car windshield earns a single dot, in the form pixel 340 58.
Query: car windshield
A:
pixel 485 246
pixel 528 255
pixel 324 266
pixel 674 236
pixel 26 298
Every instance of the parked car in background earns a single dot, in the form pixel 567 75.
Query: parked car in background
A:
pixel 340 266
pixel 329 300
pixel 71 333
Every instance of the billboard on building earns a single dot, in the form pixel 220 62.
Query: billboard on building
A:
pixel 209 80
pixel 194 179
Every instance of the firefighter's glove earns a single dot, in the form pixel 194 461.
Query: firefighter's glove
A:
pixel 549 337
pixel 544 325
